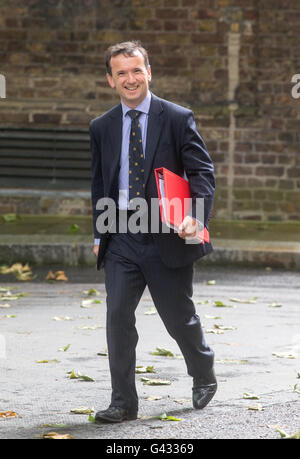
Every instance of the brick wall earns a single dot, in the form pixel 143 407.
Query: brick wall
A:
pixel 231 61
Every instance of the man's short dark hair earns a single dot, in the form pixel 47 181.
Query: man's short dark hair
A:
pixel 127 48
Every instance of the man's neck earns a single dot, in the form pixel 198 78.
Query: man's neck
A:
pixel 148 95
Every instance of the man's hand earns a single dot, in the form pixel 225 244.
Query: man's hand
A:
pixel 96 250
pixel 188 228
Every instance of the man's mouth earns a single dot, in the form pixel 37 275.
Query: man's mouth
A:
pixel 132 89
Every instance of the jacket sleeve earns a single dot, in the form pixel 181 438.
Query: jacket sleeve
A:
pixel 199 169
pixel 97 181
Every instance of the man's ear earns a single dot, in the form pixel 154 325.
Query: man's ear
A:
pixel 110 81
pixel 149 73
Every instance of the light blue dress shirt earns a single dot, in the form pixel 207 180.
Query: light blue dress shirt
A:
pixel 124 160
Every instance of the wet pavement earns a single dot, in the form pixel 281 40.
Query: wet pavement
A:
pixel 253 329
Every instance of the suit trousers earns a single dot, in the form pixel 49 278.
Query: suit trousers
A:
pixel 131 262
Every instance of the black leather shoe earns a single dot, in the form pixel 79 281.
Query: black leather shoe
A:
pixel 115 414
pixel 204 389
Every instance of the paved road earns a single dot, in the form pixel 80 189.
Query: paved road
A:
pixel 43 395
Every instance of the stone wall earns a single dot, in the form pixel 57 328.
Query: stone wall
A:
pixel 231 61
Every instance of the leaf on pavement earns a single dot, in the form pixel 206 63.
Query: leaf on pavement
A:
pixel 73 375
pixel 90 327
pixel 163 352
pixel 164 417
pixel 64 348
pixel 153 398
pixel 250 396
pixel 89 303
pixel 155 382
pixel 60 276
pixel 211 282
pixel 22 273
pixel 47 361
pixel 11 296
pixel 82 410
pixel 284 355
pixel 141 369
pixel 215 331
pixel 57 436
pixel 249 301
pixel 85 378
pixel 220 304
pixel 50 276
pixel 295 389
pixel 224 327
pixel 91 291
pixel 57 276
pixel 58 319
pixel 283 434
pixel 240 362
pixel 256 407
pixel 275 305
pixel 151 311
pixel 104 353
pixel 5 305
pixel 8 414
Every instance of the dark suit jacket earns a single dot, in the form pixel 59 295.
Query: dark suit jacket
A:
pixel 172 142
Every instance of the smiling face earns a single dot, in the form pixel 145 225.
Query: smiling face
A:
pixel 130 78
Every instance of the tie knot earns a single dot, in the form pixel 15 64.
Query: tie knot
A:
pixel 134 114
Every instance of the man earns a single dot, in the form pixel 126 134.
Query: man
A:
pixel 128 142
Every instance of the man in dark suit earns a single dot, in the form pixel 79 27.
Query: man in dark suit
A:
pixel 128 142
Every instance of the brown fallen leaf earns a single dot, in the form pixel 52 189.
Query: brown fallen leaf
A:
pixel 8 414
pixel 50 276
pixel 60 276
pixel 57 436
pixel 21 272
pixel 24 276
pixel 57 276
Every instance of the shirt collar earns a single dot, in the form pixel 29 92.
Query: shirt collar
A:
pixel 143 107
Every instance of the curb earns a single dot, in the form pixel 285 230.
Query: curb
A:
pixel 226 252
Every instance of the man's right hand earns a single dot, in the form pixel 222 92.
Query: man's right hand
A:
pixel 96 250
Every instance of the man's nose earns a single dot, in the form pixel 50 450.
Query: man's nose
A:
pixel 130 77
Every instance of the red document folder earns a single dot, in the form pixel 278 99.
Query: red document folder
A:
pixel 171 187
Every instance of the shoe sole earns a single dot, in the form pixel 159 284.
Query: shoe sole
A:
pixel 105 419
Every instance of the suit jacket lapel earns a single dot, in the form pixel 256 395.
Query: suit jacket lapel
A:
pixel 155 123
pixel 115 134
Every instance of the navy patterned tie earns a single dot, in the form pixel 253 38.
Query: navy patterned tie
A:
pixel 136 159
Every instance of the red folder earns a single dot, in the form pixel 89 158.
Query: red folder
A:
pixel 171 187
